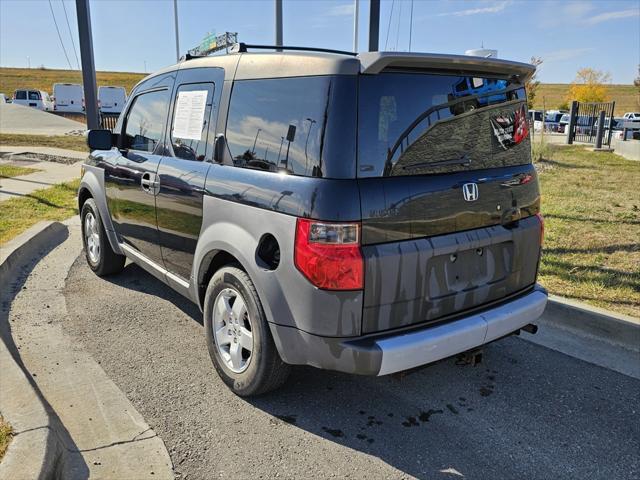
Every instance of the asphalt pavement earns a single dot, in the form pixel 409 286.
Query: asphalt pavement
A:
pixel 31 121
pixel 527 412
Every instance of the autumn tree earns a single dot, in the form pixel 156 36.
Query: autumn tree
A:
pixel 532 84
pixel 589 86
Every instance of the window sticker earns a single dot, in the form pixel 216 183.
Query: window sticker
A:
pixel 188 119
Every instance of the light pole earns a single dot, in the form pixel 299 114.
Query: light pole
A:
pixel 253 150
pixel 278 6
pixel 374 25
pixel 175 17
pixel 356 10
pixel 306 143
pixel 88 64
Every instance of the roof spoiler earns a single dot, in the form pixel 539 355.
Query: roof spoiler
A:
pixel 375 62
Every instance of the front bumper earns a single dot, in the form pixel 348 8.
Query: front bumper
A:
pixel 390 353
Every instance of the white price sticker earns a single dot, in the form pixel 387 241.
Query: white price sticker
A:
pixel 189 117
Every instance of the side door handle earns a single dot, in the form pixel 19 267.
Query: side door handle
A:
pixel 150 183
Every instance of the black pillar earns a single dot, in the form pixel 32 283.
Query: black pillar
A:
pixel 88 65
pixel 374 25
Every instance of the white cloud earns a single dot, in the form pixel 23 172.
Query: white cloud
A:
pixel 341 10
pixel 577 9
pixel 606 16
pixel 495 8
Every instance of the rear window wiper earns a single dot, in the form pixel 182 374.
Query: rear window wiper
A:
pixel 464 160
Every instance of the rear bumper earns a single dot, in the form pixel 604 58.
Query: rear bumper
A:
pixel 385 354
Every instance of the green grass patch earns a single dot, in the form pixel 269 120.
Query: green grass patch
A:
pixel 592 227
pixel 53 203
pixel 5 436
pixel 69 142
pixel 9 171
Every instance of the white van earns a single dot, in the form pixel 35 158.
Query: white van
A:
pixel 33 98
pixel 68 97
pixel 111 99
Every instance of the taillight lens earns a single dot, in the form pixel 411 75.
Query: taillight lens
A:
pixel 541 219
pixel 328 254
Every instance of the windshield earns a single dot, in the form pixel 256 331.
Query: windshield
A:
pixel 412 123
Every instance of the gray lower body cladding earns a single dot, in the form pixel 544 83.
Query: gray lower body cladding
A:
pixel 384 354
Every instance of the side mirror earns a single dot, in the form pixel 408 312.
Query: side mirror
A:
pixel 221 153
pixel 100 140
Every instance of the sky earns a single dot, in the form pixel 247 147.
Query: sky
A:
pixel 138 35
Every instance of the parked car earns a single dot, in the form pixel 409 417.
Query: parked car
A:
pixel 324 209
pixel 4 98
pixel 111 99
pixel 33 98
pixel 69 97
pixel 632 115
pixel 552 121
pixel 535 117
pixel 563 122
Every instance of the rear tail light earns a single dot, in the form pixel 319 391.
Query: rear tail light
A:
pixel 328 254
pixel 541 219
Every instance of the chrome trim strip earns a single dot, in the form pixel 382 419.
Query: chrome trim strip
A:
pixel 136 255
pixel 419 348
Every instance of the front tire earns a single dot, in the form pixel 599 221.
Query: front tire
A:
pixel 98 252
pixel 238 337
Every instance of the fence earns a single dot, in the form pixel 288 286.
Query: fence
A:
pixel 584 122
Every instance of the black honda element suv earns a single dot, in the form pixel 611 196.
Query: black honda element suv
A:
pixel 365 213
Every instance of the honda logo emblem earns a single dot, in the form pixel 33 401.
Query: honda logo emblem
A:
pixel 470 192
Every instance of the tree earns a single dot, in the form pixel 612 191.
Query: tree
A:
pixel 589 86
pixel 636 81
pixel 532 84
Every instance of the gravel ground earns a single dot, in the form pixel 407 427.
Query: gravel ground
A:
pixel 526 412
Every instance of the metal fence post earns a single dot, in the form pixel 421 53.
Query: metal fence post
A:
pixel 613 109
pixel 572 122
pixel 600 130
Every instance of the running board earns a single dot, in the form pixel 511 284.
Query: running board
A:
pixel 174 281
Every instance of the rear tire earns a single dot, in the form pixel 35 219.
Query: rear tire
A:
pixel 238 337
pixel 100 256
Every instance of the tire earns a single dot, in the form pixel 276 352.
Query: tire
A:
pixel 248 366
pixel 97 249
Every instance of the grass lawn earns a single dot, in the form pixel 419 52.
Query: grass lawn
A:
pixel 70 142
pixel 591 207
pixel 53 203
pixel 552 95
pixel 5 436
pixel 9 171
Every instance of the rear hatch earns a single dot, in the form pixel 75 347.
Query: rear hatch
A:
pixel 448 192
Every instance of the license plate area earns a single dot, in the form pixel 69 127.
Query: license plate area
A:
pixel 466 270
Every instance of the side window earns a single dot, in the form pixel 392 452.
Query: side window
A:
pixel 34 95
pixel 279 124
pixel 21 95
pixel 190 123
pixel 145 121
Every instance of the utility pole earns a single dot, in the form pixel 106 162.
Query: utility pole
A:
pixel 374 25
pixel 175 17
pixel 278 5
pixel 356 10
pixel 88 65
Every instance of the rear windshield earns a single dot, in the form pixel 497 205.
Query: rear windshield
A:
pixel 21 95
pixel 414 123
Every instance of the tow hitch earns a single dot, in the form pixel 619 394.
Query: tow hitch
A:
pixel 470 357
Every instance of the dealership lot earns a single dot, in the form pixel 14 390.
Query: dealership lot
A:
pixel 527 411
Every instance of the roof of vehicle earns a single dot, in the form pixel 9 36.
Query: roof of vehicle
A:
pixel 298 63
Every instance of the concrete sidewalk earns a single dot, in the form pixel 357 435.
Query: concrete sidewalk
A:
pixel 51 173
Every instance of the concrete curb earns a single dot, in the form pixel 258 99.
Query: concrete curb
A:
pixel 35 450
pixel 611 327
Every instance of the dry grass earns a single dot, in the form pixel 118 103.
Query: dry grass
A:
pixel 5 436
pixel 54 203
pixel 70 142
pixel 10 171
pixel 14 78
pixel 592 238
pixel 552 95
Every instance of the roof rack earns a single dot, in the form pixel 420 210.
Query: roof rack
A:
pixel 241 47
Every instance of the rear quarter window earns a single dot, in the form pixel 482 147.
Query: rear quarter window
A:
pixel 300 126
